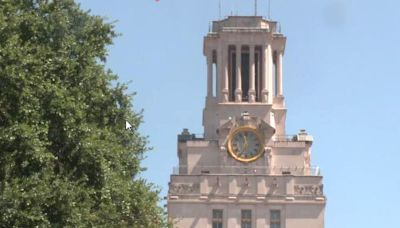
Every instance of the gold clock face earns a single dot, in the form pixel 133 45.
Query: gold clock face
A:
pixel 245 144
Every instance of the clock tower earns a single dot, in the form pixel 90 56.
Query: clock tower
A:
pixel 245 171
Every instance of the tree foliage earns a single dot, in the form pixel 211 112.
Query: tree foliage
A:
pixel 65 157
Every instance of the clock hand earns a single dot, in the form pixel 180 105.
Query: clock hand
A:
pixel 246 144
pixel 239 144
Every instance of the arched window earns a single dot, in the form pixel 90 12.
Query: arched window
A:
pixel 258 68
pixel 214 74
pixel 245 72
pixel 232 71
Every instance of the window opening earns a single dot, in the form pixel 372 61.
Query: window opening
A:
pixel 246 219
pixel 217 218
pixel 274 73
pixel 214 74
pixel 245 73
pixel 232 72
pixel 275 219
pixel 257 65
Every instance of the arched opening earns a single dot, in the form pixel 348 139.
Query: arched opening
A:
pixel 245 72
pixel 258 68
pixel 232 71
pixel 274 73
pixel 214 74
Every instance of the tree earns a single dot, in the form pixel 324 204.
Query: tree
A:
pixel 65 157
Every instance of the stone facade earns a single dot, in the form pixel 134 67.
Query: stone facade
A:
pixel 212 186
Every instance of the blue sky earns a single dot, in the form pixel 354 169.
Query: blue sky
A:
pixel 341 83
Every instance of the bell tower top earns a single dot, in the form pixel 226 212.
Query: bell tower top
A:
pixel 244 58
pixel 247 51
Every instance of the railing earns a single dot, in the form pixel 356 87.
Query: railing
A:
pixel 285 138
pixel 276 138
pixel 247 29
pixel 255 170
pixel 190 137
pixel 198 136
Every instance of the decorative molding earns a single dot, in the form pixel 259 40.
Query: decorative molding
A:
pixel 316 190
pixel 307 159
pixel 274 184
pixel 289 198
pixel 174 197
pixel 203 197
pixel 184 188
pixel 268 155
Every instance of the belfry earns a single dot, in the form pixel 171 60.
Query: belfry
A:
pixel 245 171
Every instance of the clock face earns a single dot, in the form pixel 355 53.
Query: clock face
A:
pixel 245 144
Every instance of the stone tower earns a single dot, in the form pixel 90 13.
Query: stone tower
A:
pixel 245 171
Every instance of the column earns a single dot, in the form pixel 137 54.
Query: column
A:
pixel 271 75
pixel 209 76
pixel 238 91
pixel 267 74
pixel 279 87
pixel 222 56
pixel 264 69
pixel 252 79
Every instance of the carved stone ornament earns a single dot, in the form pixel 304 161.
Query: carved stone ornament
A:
pixel 315 190
pixel 307 159
pixel 184 188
